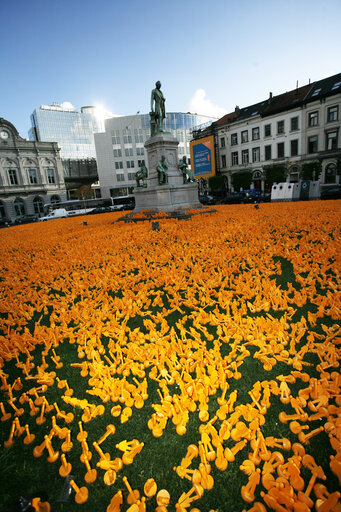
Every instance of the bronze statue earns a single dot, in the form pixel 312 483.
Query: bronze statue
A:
pixel 162 169
pixel 187 174
pixel 158 113
pixel 141 175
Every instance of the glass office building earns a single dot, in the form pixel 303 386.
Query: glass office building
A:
pixel 72 130
pixel 120 149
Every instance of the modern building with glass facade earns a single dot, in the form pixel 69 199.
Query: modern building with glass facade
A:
pixel 72 130
pixel 120 150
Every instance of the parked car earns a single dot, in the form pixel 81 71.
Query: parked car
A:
pixel 5 222
pixel 331 193
pixel 206 199
pixel 233 198
pixel 26 219
pixel 100 209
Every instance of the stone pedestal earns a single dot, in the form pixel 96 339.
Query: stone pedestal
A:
pixel 169 197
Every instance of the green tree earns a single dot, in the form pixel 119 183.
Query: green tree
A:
pixel 217 184
pixel 275 173
pixel 311 170
pixel 84 192
pixel 242 180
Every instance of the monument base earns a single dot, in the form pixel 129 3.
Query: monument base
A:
pixel 167 197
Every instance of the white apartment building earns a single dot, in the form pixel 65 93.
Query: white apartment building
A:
pixel 120 150
pixel 291 130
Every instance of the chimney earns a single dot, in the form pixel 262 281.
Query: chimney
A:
pixel 237 110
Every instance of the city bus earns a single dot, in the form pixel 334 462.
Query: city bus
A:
pixel 123 202
pixel 80 204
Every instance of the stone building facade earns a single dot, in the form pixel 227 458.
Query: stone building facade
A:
pixel 31 174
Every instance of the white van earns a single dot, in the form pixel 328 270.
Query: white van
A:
pixel 59 213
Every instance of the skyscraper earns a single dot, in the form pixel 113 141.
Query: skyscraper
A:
pixel 73 130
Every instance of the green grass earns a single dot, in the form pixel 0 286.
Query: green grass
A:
pixel 22 474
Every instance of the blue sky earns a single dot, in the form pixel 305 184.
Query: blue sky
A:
pixel 209 55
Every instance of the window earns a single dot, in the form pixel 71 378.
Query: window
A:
pixel 294 147
pixel 222 142
pixel 127 136
pixel 245 156
pixel 267 130
pixel 223 160
pixel 120 177
pixel 244 136
pixel 130 164
pixel 316 92
pixel 280 127
pixel 312 144
pixel 117 153
pixel 234 139
pixel 313 118
pixel 12 176
pixel 255 154
pixel 267 152
pixel 139 151
pixel 38 205
pixel 32 176
pixel 294 124
pixel 129 151
pixel 138 135
pixel 255 133
pixel 19 207
pixel 131 176
pixel 55 199
pixel 140 162
pixel 118 165
pixel 333 114
pixel 331 140
pixel 330 174
pixel 115 136
pixel 280 150
pixel 50 176
pixel 234 156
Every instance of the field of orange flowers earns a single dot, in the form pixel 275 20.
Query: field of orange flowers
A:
pixel 194 367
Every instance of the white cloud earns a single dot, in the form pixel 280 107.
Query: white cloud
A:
pixel 66 105
pixel 199 104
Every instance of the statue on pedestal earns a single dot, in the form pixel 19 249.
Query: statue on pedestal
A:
pixel 141 176
pixel 187 174
pixel 162 169
pixel 158 113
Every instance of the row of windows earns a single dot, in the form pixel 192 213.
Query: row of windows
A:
pixel 332 115
pixel 121 177
pixel 130 164
pixel 255 132
pixel 313 120
pixel 13 176
pixel 312 147
pixel 331 138
pixel 20 206
pixel 128 152
pixel 255 153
